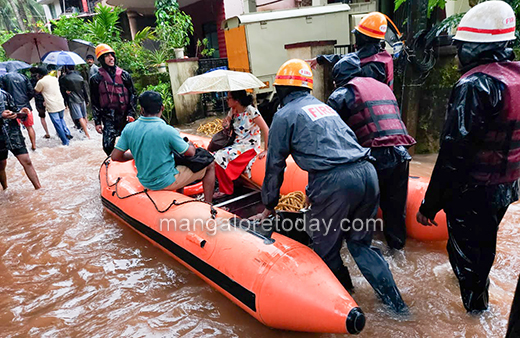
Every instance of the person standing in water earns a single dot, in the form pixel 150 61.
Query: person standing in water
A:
pixel 475 177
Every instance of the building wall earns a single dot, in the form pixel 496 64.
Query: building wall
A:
pixel 48 11
pixel 270 5
pixel 202 13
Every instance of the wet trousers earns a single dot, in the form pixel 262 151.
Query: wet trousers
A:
pixel 60 126
pixel 344 201
pixel 473 220
pixel 112 128
pixel 393 187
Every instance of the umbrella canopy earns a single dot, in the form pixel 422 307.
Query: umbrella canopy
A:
pixel 30 47
pixel 82 47
pixel 62 58
pixel 219 81
pixel 12 66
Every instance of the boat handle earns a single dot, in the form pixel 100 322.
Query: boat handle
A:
pixel 196 239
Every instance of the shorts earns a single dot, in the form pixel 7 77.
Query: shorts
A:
pixel 78 110
pixel 29 121
pixel 185 177
pixel 41 111
pixel 4 152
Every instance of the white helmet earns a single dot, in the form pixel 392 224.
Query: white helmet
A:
pixel 490 21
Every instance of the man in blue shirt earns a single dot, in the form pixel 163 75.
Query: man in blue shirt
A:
pixel 152 143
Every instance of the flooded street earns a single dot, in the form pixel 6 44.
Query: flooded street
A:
pixel 70 269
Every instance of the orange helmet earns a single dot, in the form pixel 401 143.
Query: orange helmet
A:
pixel 373 25
pixel 103 49
pixel 295 73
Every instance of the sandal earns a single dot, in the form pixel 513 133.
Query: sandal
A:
pixel 47 136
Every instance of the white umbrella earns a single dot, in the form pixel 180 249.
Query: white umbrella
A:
pixel 219 81
pixel 62 58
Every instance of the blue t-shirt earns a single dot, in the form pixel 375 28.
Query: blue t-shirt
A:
pixel 152 143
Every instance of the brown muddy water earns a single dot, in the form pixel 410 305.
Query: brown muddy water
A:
pixel 70 269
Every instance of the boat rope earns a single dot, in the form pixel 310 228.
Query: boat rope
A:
pixel 294 201
pixel 106 162
pixel 210 128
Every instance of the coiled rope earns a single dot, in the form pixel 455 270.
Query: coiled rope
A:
pixel 294 201
pixel 106 162
pixel 210 128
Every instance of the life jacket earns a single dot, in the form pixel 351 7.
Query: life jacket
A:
pixel 498 156
pixel 112 93
pixel 385 58
pixel 375 116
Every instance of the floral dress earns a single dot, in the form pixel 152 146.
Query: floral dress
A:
pixel 248 137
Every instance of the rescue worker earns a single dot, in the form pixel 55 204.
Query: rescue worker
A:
pixel 113 97
pixel 342 183
pixel 376 62
pixel 475 177
pixel 370 108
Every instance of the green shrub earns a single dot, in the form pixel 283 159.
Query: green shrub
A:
pixel 4 36
pixel 165 90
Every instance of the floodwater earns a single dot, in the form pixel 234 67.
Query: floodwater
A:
pixel 70 269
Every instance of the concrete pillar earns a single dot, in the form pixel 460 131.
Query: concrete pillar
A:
pixel 249 6
pixel 323 86
pixel 319 2
pixel 186 106
pixel 132 22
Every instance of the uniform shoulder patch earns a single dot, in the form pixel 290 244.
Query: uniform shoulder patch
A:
pixel 318 111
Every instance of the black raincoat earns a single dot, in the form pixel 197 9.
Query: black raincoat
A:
pixel 113 121
pixel 375 70
pixel 342 188
pixel 474 210
pixel 11 136
pixel 392 163
pixel 20 88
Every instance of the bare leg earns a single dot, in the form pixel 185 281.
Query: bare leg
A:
pixel 27 165
pixel 208 183
pixel 32 137
pixel 3 176
pixel 44 125
pixel 83 123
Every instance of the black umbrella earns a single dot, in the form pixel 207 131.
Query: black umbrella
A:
pixel 82 47
pixel 12 66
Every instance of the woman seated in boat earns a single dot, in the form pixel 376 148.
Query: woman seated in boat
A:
pixel 249 126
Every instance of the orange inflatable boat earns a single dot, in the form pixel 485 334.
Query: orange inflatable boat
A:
pixel 295 179
pixel 280 282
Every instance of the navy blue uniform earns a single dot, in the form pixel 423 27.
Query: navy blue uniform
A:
pixel 342 185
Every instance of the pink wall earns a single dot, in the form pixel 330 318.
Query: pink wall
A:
pixel 233 8
pixel 236 7
pixel 269 5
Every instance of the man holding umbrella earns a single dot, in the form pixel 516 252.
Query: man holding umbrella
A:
pixel 113 97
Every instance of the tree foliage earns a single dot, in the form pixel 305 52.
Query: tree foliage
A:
pixel 70 27
pixel 4 36
pixel 104 28
pixel 174 27
pixel 432 4
pixel 20 15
